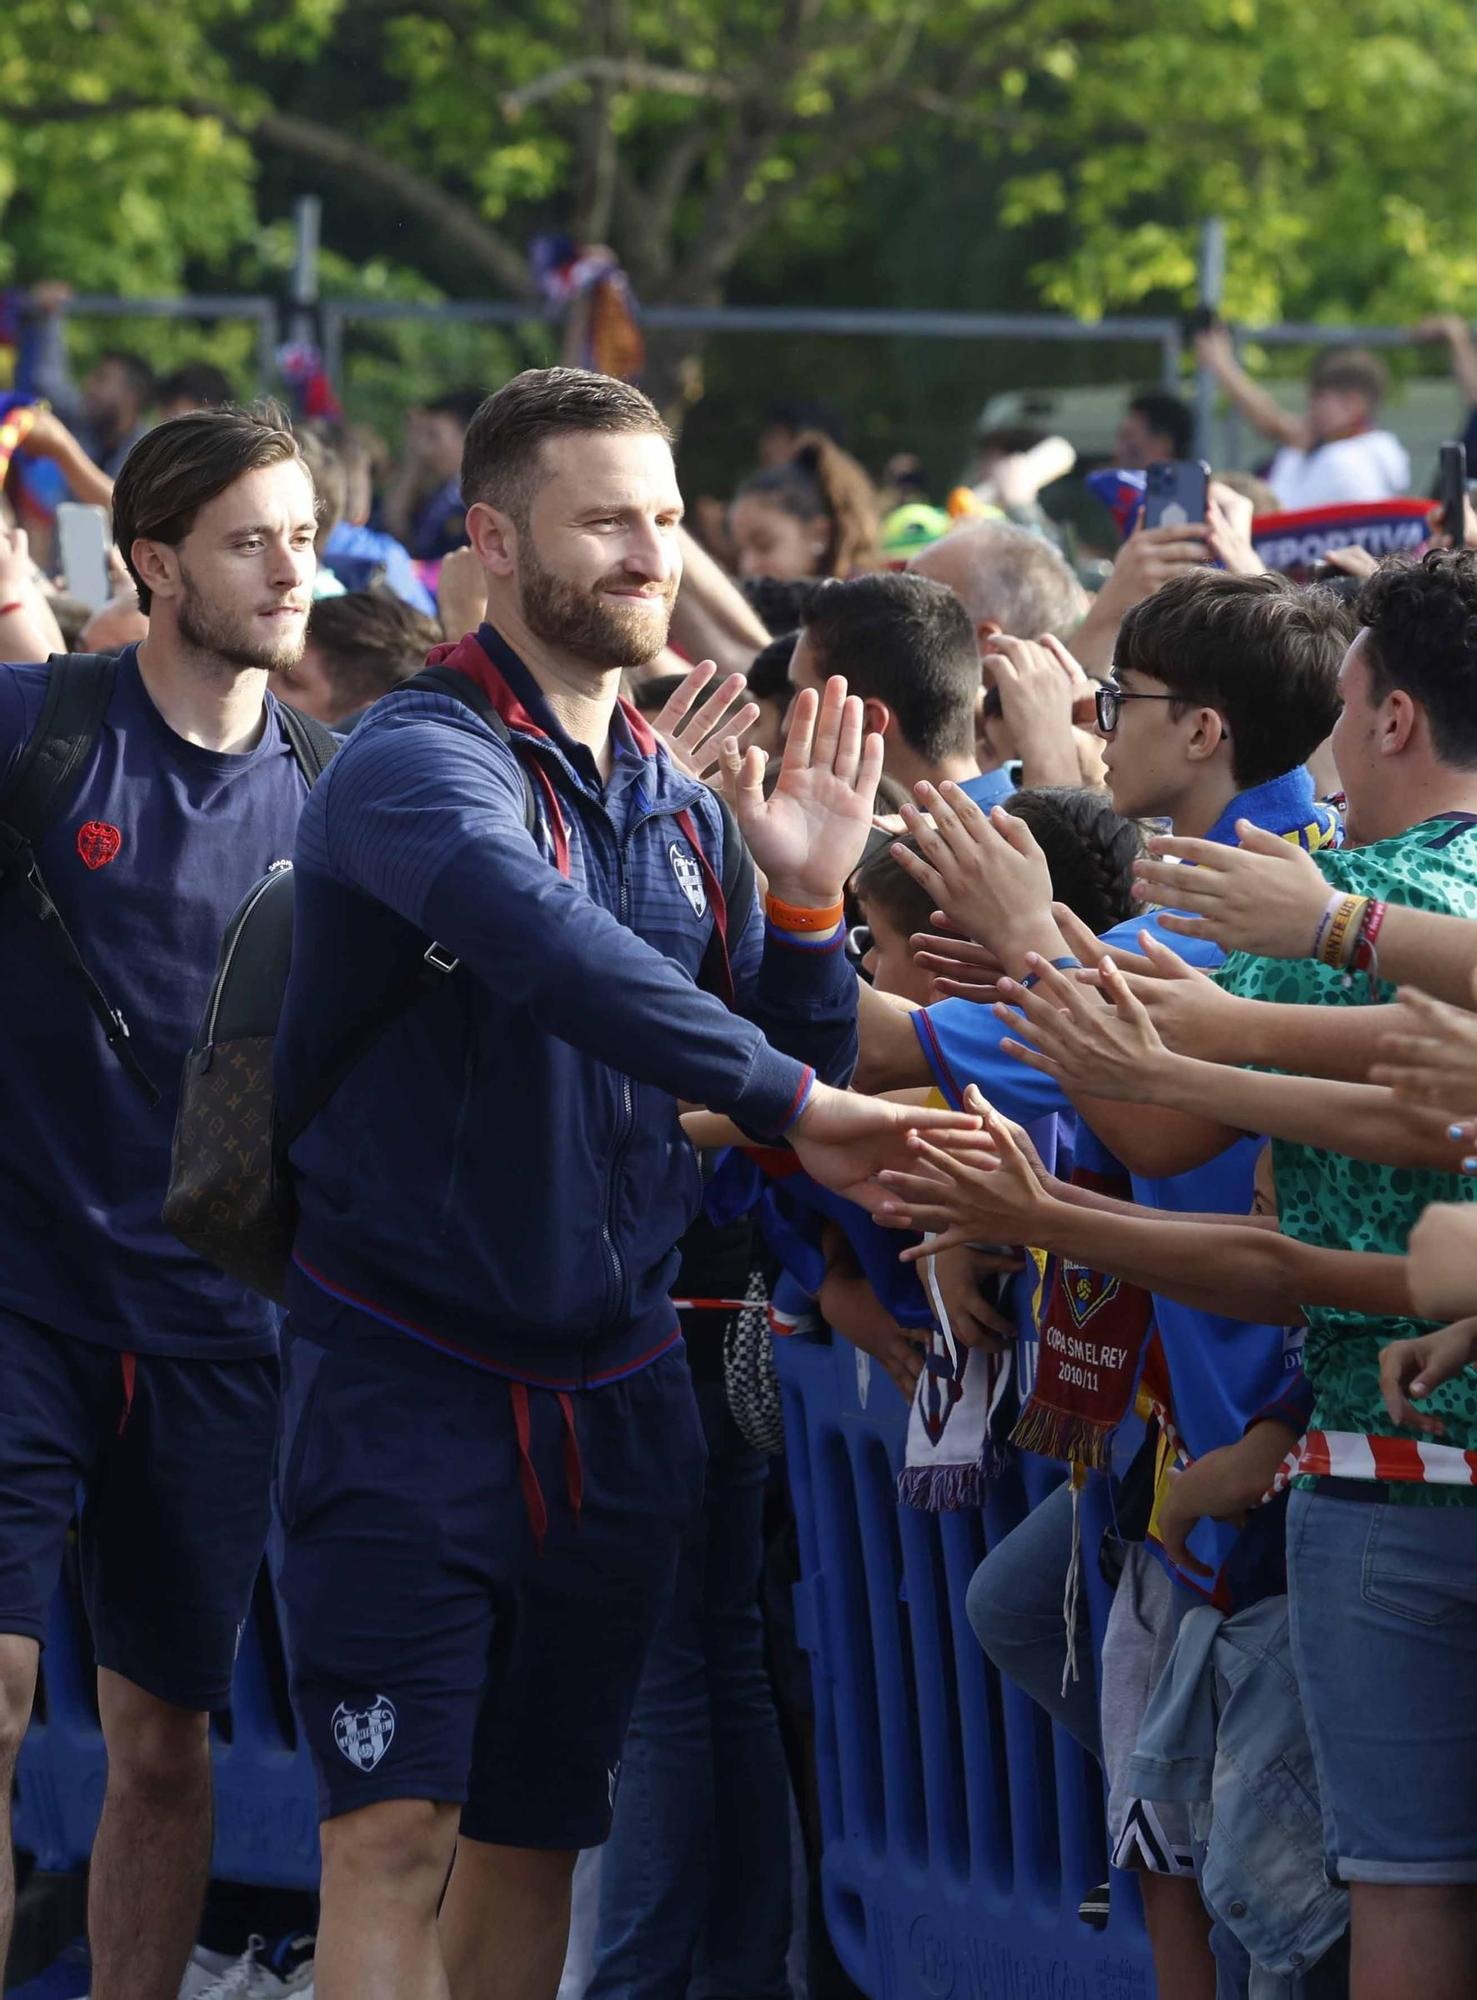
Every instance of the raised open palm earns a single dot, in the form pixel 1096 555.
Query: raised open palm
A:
pixel 811 831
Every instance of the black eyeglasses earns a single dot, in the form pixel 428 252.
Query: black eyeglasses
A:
pixel 1110 697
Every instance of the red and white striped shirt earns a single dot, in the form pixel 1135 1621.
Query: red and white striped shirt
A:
pixel 1399 1461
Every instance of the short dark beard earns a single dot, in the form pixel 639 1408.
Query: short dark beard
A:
pixel 223 644
pixel 580 621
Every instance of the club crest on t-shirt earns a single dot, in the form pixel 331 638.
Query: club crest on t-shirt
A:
pixel 98 843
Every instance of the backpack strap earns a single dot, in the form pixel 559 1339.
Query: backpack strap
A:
pixel 436 962
pixel 312 744
pixel 446 680
pixel 428 971
pixel 79 687
pixel 734 892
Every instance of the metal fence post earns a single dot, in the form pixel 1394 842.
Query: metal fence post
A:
pixel 331 326
pixel 307 224
pixel 1212 288
pixel 267 343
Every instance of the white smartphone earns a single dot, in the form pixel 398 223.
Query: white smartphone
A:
pixel 84 536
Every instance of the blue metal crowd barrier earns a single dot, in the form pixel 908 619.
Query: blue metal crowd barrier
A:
pixel 266 1807
pixel 960 1828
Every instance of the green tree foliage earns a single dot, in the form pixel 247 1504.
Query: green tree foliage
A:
pixel 140 139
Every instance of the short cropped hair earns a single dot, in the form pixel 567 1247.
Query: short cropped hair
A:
pixel 368 641
pixel 180 466
pixel 779 602
pixel 461 405
pixel 134 369
pixel 1260 650
pixel 200 383
pixel 1420 634
pixel 906 641
pixel 500 455
pixel 1168 416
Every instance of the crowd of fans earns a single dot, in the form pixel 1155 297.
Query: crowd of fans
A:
pixel 1103 1045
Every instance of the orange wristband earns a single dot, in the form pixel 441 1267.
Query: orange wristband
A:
pixel 787 917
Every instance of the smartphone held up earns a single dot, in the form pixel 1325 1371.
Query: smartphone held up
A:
pixel 1176 493
pixel 84 538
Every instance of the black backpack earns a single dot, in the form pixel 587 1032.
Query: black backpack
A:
pixel 79 687
pixel 230 1197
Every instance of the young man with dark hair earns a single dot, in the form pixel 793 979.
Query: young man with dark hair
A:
pixel 1251 651
pixel 1216 657
pixel 905 646
pixel 115 400
pixel 108 415
pixel 197 385
pixel 491 1449
pixel 1157 425
pixel 131 1369
pixel 359 646
pixel 1382 1531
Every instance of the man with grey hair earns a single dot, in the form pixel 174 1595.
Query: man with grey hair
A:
pixel 1012 582
pixel 1019 591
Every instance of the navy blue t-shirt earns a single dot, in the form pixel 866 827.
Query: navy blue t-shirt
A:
pixel 159 844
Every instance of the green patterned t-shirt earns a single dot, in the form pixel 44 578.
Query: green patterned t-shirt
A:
pixel 1347 1204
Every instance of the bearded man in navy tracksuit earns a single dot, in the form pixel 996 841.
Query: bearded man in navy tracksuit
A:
pixel 491 1448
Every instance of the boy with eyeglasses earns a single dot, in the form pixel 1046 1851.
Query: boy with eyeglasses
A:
pixel 1223 686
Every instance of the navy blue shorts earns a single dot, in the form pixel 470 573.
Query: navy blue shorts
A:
pixel 173 1460
pixel 436 1650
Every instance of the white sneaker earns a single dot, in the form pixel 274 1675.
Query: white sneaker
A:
pixel 263 1973
pixel 203 1971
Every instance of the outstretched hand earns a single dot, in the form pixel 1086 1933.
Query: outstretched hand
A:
pixel 957 967
pixel 811 831
pixel 1193 1016
pixel 1430 1056
pixel 691 733
pixel 845 1141
pixel 1093 1049
pixel 967 1186
pixel 985 872
pixel 1265 896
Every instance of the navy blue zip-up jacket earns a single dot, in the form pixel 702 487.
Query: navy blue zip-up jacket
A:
pixel 504 1174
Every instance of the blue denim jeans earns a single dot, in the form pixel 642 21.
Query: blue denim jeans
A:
pixel 1015 1607
pixel 1383 1602
pixel 695 1881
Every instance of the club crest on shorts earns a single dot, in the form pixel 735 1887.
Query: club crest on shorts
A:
pixel 689 878
pixel 364 1734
